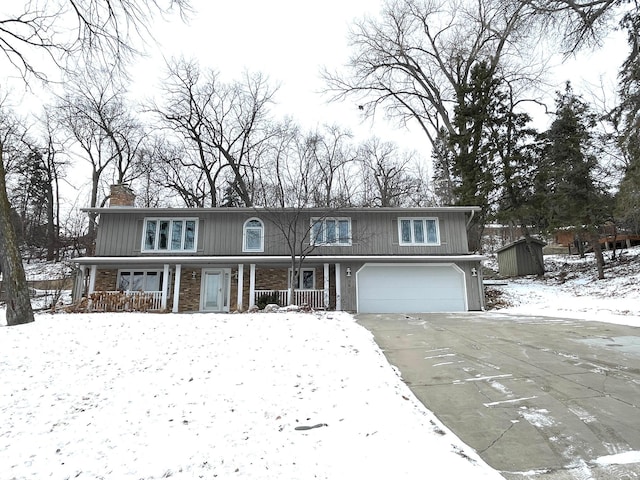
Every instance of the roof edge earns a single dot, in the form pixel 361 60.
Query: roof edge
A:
pixel 254 210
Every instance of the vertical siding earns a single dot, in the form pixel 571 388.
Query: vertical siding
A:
pixel 374 232
pixel 526 263
pixel 508 262
pixel 516 260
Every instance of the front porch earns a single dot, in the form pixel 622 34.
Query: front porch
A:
pixel 185 287
pixel 311 298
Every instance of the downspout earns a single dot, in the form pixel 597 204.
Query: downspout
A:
pixel 473 214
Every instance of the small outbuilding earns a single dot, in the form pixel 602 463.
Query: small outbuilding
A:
pixel 522 257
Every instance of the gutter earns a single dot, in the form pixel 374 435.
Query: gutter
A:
pixel 195 260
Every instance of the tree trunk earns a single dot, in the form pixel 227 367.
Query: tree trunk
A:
pixel 14 281
pixel 597 250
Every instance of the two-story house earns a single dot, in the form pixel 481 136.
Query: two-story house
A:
pixel 375 260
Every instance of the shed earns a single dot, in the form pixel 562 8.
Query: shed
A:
pixel 515 259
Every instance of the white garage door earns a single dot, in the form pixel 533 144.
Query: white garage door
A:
pixel 410 289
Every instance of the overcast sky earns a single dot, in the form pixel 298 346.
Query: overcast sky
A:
pixel 290 40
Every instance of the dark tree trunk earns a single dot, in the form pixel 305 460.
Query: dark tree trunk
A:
pixel 594 239
pixel 14 281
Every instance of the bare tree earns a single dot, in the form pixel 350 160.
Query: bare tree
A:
pixel 223 125
pixel 580 23
pixel 416 63
pixel 331 153
pixel 13 277
pixel 62 29
pixel 54 168
pixel 387 174
pixel 102 30
pixel 95 112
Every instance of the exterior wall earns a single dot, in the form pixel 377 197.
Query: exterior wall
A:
pixel 276 279
pixel 106 279
pixel 374 232
pixel 220 233
pixel 189 290
pixel 349 300
pixel 516 260
pixel 475 290
pixel 508 262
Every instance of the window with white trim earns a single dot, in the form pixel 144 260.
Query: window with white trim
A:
pixel 140 280
pixel 169 234
pixel 331 231
pixel 418 231
pixel 253 236
pixel 305 281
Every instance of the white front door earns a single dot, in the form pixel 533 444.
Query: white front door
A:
pixel 213 290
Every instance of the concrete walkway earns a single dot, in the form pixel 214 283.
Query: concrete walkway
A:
pixel 542 399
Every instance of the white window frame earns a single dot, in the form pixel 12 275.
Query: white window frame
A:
pixel 322 232
pixel 145 272
pixel 172 221
pixel 300 285
pixel 424 221
pixel 245 228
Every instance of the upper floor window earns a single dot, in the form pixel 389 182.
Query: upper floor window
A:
pixel 331 231
pixel 253 236
pixel 418 231
pixel 169 234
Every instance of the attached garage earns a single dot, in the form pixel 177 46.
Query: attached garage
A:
pixel 410 288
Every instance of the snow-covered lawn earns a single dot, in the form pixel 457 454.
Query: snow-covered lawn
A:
pixel 570 289
pixel 150 396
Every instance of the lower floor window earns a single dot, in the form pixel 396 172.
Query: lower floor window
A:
pixel 140 280
pixel 306 280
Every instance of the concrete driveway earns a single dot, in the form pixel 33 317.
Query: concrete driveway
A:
pixel 545 399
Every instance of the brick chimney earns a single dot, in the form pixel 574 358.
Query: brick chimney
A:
pixel 121 196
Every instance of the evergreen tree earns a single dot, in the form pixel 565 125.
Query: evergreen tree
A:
pixel 569 193
pixel 472 163
pixel 627 117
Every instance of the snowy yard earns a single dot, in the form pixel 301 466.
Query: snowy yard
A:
pixel 150 396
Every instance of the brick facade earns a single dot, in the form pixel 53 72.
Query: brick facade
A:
pixel 106 280
pixel 190 285
pixel 190 290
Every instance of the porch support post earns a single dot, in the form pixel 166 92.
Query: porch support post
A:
pixel 165 287
pixel 79 284
pixel 326 285
pixel 92 278
pixel 240 285
pixel 252 285
pixel 176 288
pixel 338 287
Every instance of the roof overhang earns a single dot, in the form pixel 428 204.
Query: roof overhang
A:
pixel 267 211
pixel 273 259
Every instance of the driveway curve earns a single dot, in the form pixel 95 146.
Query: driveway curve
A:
pixel 537 398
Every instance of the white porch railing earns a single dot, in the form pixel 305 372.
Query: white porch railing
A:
pixel 108 301
pixel 313 298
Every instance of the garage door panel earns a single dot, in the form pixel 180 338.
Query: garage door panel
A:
pixel 410 289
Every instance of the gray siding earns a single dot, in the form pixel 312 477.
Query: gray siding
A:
pixel 515 259
pixel 374 232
